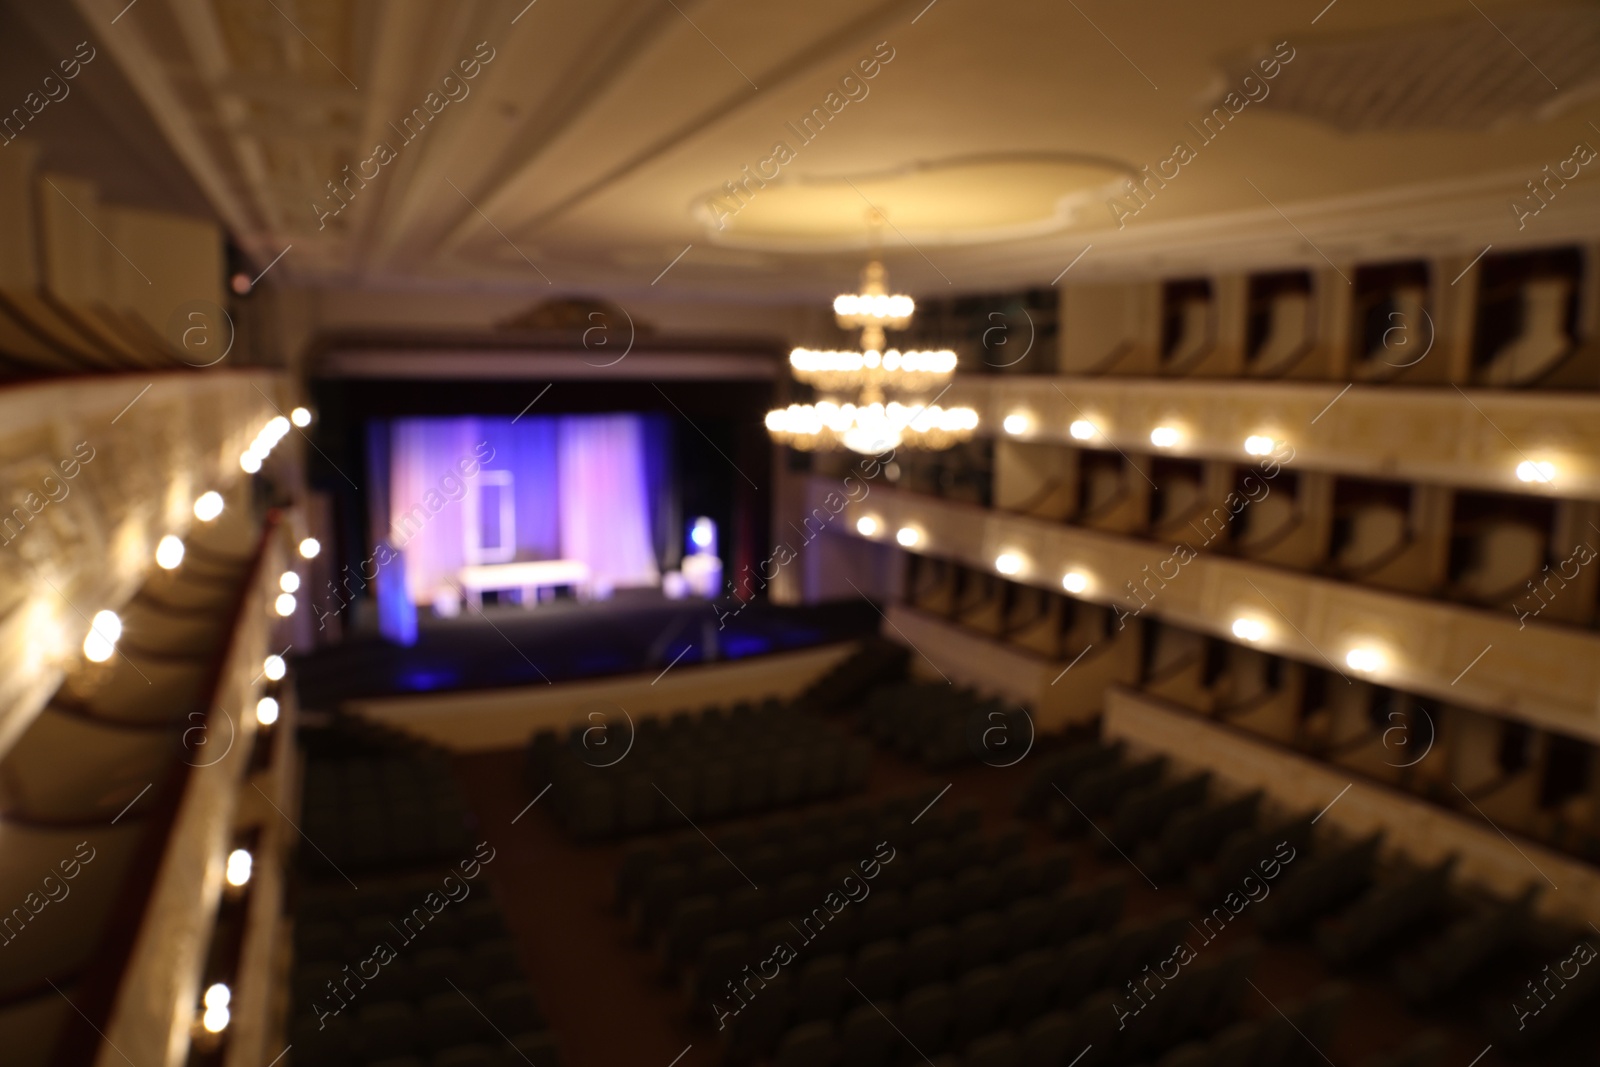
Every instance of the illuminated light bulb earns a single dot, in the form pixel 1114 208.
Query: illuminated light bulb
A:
pixel 209 506
pixel 284 605
pixel 274 667
pixel 250 462
pixel 278 427
pixel 866 526
pixel 907 536
pixel 237 873
pixel 97 647
pixel 266 711
pixel 216 1019
pixel 300 417
pixel 1017 423
pixel 1535 471
pixel 1164 436
pixel 169 553
pixel 1365 660
pixel 310 547
pixel 1259 445
pixel 1008 563
pixel 1075 581
pixel 289 581
pixel 1249 629
pixel 1082 429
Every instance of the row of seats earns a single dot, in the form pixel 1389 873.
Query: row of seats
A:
pixel 887 949
pixel 943 726
pixel 1362 912
pixel 447 989
pixel 384 811
pixel 876 662
pixel 612 780
pixel 1044 1010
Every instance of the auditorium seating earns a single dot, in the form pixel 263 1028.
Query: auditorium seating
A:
pixel 939 725
pixel 451 993
pixel 715 764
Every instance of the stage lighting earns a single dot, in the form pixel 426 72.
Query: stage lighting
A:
pixel 169 553
pixel 238 870
pixel 209 506
pixel 310 547
pixel 266 711
pixel 703 534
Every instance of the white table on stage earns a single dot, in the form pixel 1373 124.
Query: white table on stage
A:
pixel 527 577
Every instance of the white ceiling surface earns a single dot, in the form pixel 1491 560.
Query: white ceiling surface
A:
pixel 584 146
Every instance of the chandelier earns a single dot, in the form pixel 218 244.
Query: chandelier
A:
pixel 868 424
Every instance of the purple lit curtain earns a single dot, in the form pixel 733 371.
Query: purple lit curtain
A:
pixel 584 487
pixel 605 499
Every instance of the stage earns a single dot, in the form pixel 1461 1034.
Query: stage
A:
pixel 564 641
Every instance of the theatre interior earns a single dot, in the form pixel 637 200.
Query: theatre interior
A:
pixel 711 534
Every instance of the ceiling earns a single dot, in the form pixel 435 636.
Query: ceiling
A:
pixel 634 145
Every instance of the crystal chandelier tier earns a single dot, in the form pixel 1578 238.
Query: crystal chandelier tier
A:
pixel 867 423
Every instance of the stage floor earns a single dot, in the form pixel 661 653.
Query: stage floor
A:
pixel 565 641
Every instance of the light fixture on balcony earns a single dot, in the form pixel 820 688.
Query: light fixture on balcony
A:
pixel 169 553
pixel 274 667
pixel 289 581
pixel 907 536
pixel 1164 436
pixel 1017 423
pixel 284 605
pixel 866 422
pixel 267 711
pixel 208 506
pixel 1539 471
pixel 1008 563
pixel 238 867
pixel 866 526
pixel 1247 629
pixel 310 547
pixel 1365 659
pixel 1075 581
pixel 1082 429
pixel 1260 445
pixel 216 1017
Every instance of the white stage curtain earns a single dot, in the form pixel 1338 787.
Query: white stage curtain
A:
pixel 605 506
